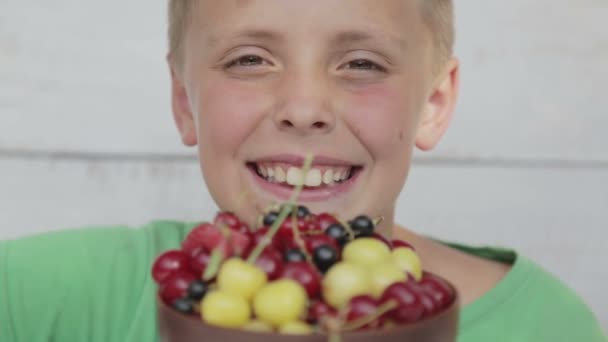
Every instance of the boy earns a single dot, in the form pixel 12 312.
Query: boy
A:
pixel 256 85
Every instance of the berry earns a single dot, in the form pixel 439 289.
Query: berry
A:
pixel 362 226
pixel 227 219
pixel 380 237
pixel 319 309
pixel 312 226
pixel 325 220
pixel 270 218
pixel 240 278
pixel 384 275
pixel 183 305
pixel 324 257
pixel 280 302
pixel 176 286
pixel 271 262
pixel 400 243
pixel 360 307
pixel 205 235
pixel 367 252
pixel 338 232
pixel 197 290
pixel 168 263
pixel 306 275
pixel 428 302
pixel 302 211
pixel 344 281
pixel 261 234
pixel 410 308
pixel 199 261
pixel 438 289
pixel 225 309
pixel 408 261
pixel 296 328
pixel 314 241
pixel 294 255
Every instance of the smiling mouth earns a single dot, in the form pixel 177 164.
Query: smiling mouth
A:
pixel 317 177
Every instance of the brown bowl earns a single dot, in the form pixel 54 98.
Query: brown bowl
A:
pixel 176 327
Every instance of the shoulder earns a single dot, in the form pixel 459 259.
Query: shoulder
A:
pixel 530 304
pixel 72 279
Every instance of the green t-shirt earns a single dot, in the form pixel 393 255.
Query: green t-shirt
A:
pixel 94 285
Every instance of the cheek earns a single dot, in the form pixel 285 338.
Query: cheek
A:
pixel 228 112
pixel 383 117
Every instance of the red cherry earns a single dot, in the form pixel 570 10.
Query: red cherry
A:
pixel 400 243
pixel 261 233
pixel 314 241
pixel 438 289
pixel 205 235
pixel 305 274
pixel 410 307
pixel 176 286
pixel 270 262
pixel 363 307
pixel 326 220
pixel 319 309
pixel 238 243
pixel 199 261
pixel 227 219
pixel 231 221
pixel 430 304
pixel 383 239
pixel 168 263
pixel 312 225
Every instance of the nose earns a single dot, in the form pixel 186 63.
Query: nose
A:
pixel 304 106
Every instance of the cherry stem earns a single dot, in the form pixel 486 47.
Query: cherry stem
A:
pixel 214 264
pixel 378 220
pixel 363 321
pixel 296 232
pixel 282 216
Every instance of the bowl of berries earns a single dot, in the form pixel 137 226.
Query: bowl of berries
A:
pixel 297 277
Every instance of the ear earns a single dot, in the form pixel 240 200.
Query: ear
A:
pixel 182 113
pixel 439 108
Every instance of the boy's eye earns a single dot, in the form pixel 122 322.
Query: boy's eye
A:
pixel 246 61
pixel 364 64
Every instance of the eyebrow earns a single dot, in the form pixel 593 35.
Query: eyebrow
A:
pixel 257 34
pixel 341 38
pixel 350 37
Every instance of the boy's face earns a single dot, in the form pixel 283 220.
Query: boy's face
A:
pixel 265 82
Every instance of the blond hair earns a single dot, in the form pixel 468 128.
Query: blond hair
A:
pixel 437 14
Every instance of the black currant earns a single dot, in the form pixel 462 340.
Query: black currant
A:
pixel 184 305
pixel 303 211
pixel 362 226
pixel 338 232
pixel 324 257
pixel 270 218
pixel 294 255
pixel 197 289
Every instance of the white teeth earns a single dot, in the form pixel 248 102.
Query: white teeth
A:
pixel 328 177
pixel 262 171
pixel 294 176
pixel 337 176
pixel 346 174
pixel 279 175
pixel 313 177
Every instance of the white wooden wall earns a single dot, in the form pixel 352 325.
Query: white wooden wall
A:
pixel 86 135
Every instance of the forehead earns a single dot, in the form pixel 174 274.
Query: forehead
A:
pixel 399 21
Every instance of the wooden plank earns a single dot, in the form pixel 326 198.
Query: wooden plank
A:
pixel 81 76
pixel 558 217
